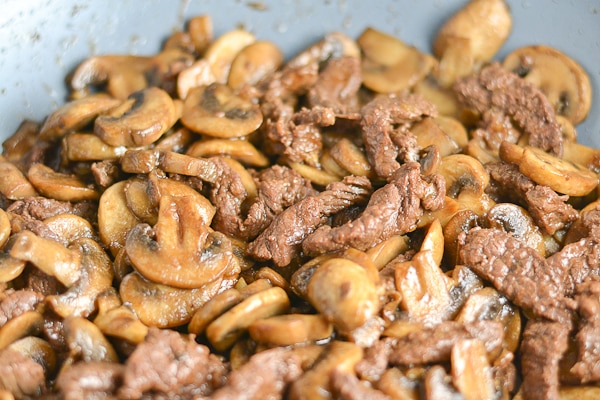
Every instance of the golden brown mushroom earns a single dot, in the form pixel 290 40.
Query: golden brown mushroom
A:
pixel 59 186
pixel 254 63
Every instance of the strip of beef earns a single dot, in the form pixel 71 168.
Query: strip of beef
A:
pixel 337 87
pixel 542 347
pixel 167 362
pixel 517 271
pixel 266 375
pixel 90 380
pixel 495 87
pixel 20 375
pixel 385 126
pixel 434 344
pixel 550 211
pixel 299 137
pixel 375 360
pixel 279 187
pixel 17 302
pixel 105 172
pixel 348 387
pixel 393 209
pixel 282 240
pixel 587 367
pixel 494 128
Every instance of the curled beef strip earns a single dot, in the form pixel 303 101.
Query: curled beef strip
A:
pixel 517 271
pixel 385 130
pixel 494 128
pixel 20 375
pixel 587 367
pixel 337 87
pixel 495 87
pixel 266 375
pixel 90 380
pixel 348 387
pixel 550 211
pixel 281 240
pixel 393 209
pixel 17 302
pixel 542 347
pixel 167 362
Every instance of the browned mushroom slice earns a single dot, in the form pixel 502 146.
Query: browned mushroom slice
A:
pixel 564 82
pixel 221 52
pixel 200 29
pixel 117 319
pixel 486 24
pixel 21 141
pixel 59 186
pixel 75 115
pixel 89 147
pixel 29 323
pixel 184 252
pixel 241 150
pixel 254 63
pixel 197 74
pixel 86 342
pixel 139 121
pixel 215 110
pixel 14 185
pixel 389 65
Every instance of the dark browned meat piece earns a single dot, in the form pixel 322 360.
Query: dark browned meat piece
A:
pixel 105 172
pixel 299 137
pixel 41 282
pixel 434 345
pixel 393 209
pixel 20 375
pixel 281 241
pixel 542 347
pixel 550 211
pixel 517 271
pixel 587 367
pixel 167 362
pixel 90 380
pixel 385 130
pixel 17 302
pixel 494 128
pixel 375 360
pixel 337 87
pixel 31 209
pixel 279 187
pixel 348 387
pixel 495 87
pixel 265 376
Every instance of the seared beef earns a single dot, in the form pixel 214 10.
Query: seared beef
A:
pixel 543 345
pixel 348 387
pixel 393 209
pixel 20 375
pixel 90 380
pixel 167 362
pixel 493 87
pixel 281 241
pixel 385 130
pixel 266 375
pixel 494 128
pixel 587 367
pixel 17 302
pixel 105 172
pixel 517 271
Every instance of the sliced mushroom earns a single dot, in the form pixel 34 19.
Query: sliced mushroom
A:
pixel 564 82
pixel 333 45
pixel 240 150
pixel 342 292
pixel 161 305
pixel 75 115
pixel 316 175
pixel 86 342
pixel 227 328
pixel 139 161
pixel 456 61
pixel 21 141
pixel 561 176
pixel 183 164
pixel 37 349
pixel 115 219
pixel 471 370
pixel 389 65
pixel 49 256
pixel 10 267
pixel 429 133
pixel 196 75
pixel 462 221
pixel 59 186
pixel 139 121
pixel 89 147
pixel 96 276
pixel 586 156
pixel 5 228
pixel 387 250
pixel 444 99
pixel 118 320
pixel 140 201
pixel 434 241
pixel 486 24
pixel 70 227
pixel 200 29
pixel 291 329
pixel 516 220
pixel 254 63
pixel 221 53
pixel 184 252
pixel 215 110
pixel 14 185
pixel 463 172
pixel 351 158
pixel 29 323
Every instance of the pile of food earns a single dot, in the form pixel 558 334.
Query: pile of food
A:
pixel 361 221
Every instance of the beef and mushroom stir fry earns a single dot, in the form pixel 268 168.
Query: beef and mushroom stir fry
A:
pixel 362 221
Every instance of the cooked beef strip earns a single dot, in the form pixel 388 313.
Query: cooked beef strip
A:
pixel 282 239
pixel 493 87
pixel 167 362
pixel 393 209
pixel 266 375
pixel 494 128
pixel 385 130
pixel 517 271
pixel 587 367
pixel 90 380
pixel 550 211
pixel 543 345
pixel 348 387
pixel 17 302
pixel 20 375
